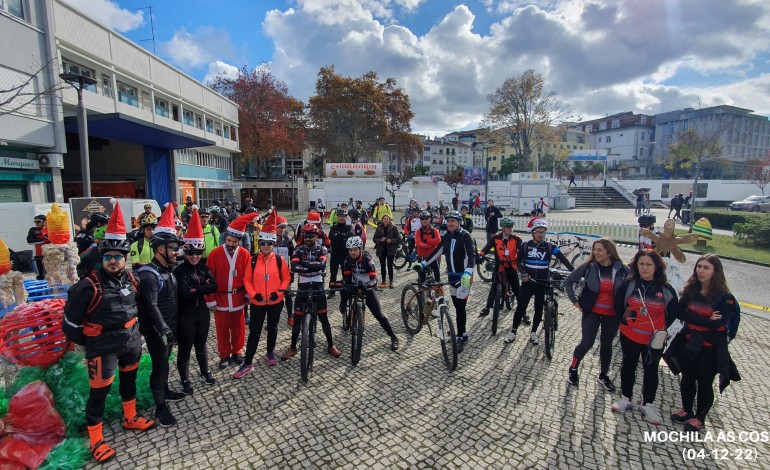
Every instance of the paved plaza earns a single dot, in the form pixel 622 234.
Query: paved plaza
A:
pixel 506 406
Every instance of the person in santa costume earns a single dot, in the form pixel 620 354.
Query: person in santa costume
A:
pixel 228 265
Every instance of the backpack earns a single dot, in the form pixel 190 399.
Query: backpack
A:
pixel 147 268
pixel 734 323
pixel 94 280
pixel 278 262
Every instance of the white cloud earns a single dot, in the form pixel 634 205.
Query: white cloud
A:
pixel 110 14
pixel 203 46
pixel 217 68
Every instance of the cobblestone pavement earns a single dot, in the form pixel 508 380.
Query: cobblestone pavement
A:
pixel 506 406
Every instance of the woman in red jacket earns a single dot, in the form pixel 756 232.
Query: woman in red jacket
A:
pixel 263 280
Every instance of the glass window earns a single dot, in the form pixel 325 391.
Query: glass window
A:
pixel 127 94
pixel 227 132
pixel 72 67
pixel 615 123
pixel 188 118
pixel 107 86
pixel 161 107
pixel 175 112
pixel 609 139
pixel 145 100
pixel 217 129
pixel 199 121
pixel 209 126
pixel 14 7
pixel 603 126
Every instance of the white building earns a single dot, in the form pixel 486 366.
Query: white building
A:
pixel 628 138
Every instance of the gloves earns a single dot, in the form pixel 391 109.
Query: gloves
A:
pixel 465 280
pixel 419 266
pixel 290 320
pixel 168 338
pixel 259 298
pixel 273 296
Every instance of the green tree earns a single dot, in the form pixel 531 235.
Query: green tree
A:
pixel 509 166
pixel 421 170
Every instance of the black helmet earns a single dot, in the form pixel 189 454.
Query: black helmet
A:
pixel 342 213
pixel 425 215
pixel 163 238
pixel 114 245
pixel 354 214
pixel 40 217
pixel 454 215
pixel 249 210
pixel 464 207
pixel 646 219
pixel 99 217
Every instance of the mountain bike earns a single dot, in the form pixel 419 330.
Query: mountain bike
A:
pixel 418 301
pixel 502 289
pixel 579 250
pixel 356 318
pixel 485 267
pixel 404 255
pixel 555 282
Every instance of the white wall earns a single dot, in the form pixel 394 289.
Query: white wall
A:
pixel 718 190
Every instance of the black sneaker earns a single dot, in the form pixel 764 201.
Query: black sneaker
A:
pixel 208 378
pixel 526 320
pixel 394 344
pixel 224 363
pixel 172 396
pixel 460 344
pixel 237 359
pixel 573 378
pixel 187 387
pixel 484 312
pixel 164 417
pixel 606 383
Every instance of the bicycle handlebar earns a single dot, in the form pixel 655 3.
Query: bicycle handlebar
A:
pixel 308 292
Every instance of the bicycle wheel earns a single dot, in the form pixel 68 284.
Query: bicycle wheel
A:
pixel 446 334
pixel 412 303
pixel 497 306
pixel 577 259
pixel 486 269
pixel 357 334
pixel 549 325
pixel 399 261
pixel 306 347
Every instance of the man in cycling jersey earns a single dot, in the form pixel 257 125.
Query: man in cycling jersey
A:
pixel 534 260
pixel 358 271
pixel 505 246
pixel 338 236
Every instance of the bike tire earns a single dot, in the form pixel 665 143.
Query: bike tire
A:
pixel 497 307
pixel 412 304
pixel 577 259
pixel 446 334
pixel 549 326
pixel 399 261
pixel 357 335
pixel 306 354
pixel 483 271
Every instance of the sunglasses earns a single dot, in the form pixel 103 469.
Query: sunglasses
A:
pixel 266 243
pixel 173 247
pixel 113 257
pixel 193 253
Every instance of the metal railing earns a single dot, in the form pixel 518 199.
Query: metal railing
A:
pixel 599 192
pixel 623 191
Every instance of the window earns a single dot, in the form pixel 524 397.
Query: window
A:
pixel 643 120
pixel 72 67
pixel 641 151
pixel 199 121
pixel 615 123
pixel 107 86
pixel 175 112
pixel 217 129
pixel 145 100
pixel 14 7
pixel 188 118
pixel 600 140
pixel 227 131
pixel 609 139
pixel 161 107
pixel 426 149
pixel 127 94
pixel 602 126
pixel 209 126
pixel 642 137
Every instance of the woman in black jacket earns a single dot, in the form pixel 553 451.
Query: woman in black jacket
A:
pixel 194 318
pixel 386 241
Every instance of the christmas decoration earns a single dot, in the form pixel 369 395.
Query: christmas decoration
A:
pixel 31 334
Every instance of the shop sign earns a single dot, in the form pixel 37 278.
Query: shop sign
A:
pixel 350 170
pixel 19 163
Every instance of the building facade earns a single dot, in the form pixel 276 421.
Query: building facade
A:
pixel 628 138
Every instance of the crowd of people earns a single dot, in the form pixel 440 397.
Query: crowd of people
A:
pixel 188 266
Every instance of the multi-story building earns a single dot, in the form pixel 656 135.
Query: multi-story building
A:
pixel 628 138
pixel 153 130
pixel 444 156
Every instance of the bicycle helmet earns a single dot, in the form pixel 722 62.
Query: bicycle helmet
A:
pixel 214 209
pixel 425 215
pixel 204 211
pixel 464 207
pixel 506 222
pixel 354 242
pixel 40 217
pixel 646 219
pixel 354 214
pixel 99 217
pixel 163 238
pixel 178 223
pixel 148 206
pixel 537 223
pixel 114 245
pixel 99 232
pixel 309 230
pixel 454 215
pixel 149 221
pixel 249 210
pixel 342 213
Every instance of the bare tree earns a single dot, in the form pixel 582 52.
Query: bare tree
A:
pixel 25 91
pixel 758 172
pixel 394 181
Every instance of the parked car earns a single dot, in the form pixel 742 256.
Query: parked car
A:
pixel 751 204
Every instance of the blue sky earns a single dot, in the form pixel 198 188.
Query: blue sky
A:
pixel 600 56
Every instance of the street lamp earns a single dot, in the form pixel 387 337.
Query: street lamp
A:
pixel 79 82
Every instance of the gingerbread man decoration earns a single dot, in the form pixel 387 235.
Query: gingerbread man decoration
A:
pixel 668 241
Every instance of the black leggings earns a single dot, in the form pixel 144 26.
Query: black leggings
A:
pixel 436 272
pixel 98 396
pixel 335 264
pixel 389 259
pixel 699 378
pixel 373 304
pixel 650 361
pixel 193 330
pixel 513 280
pixel 321 306
pixel 526 291
pixel 258 314
pixel 460 313
pixel 101 371
pixel 590 327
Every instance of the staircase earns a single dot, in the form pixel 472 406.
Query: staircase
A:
pixel 598 196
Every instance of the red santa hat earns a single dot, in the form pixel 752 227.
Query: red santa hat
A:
pixel 267 233
pixel 238 226
pixel 193 239
pixel 166 224
pixel 314 217
pixel 116 228
pixel 281 221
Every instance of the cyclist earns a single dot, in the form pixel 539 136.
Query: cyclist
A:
pixel 359 269
pixel 334 215
pixel 648 222
pixel 338 235
pixel 467 222
pixel 411 226
pixel 313 217
pixel 309 262
pixel 413 209
pixel 359 227
pixel 210 233
pixel 284 248
pixel 505 245
pixel 219 220
pixel 534 259
pixel 457 247
pixel 381 209
pixel 426 239
pixel 147 214
pixel 141 252
pixel 85 237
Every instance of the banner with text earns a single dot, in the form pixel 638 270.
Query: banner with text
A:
pixel 350 170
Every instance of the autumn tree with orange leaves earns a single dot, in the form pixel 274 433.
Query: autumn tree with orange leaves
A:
pixel 270 119
pixel 354 119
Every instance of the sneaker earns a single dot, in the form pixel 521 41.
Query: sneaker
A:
pixel 237 359
pixel 173 396
pixel 224 363
pixel 139 423
pixel 242 371
pixel 606 383
pixel 693 424
pixel 187 387
pixel 484 312
pixel 622 405
pixel 270 358
pixel 526 320
pixel 208 378
pixel 383 285
pixel 334 351
pixel 573 378
pixel 465 337
pixel 680 416
pixel 394 344
pixel 390 285
pixel 650 411
pixel 460 344
pixel 533 338
pixel 288 354
pixel 510 337
pixel 164 417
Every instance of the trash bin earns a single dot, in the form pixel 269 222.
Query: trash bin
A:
pixel 686 216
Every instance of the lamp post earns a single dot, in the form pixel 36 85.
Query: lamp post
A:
pixel 79 82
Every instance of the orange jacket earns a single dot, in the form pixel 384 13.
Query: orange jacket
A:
pixel 426 241
pixel 266 278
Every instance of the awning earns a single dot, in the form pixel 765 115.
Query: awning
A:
pixel 24 176
pixel 117 126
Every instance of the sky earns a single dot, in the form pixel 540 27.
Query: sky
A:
pixel 600 56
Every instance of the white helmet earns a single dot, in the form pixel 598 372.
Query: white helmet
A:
pixel 537 223
pixel 354 242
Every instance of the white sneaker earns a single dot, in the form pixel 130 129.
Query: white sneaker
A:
pixel 650 411
pixel 623 405
pixel 511 337
pixel 533 338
